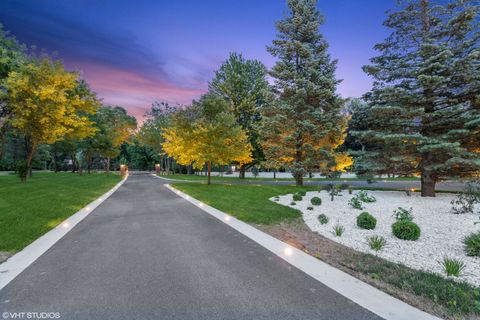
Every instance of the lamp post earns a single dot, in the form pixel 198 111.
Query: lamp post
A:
pixel 123 169
pixel 157 168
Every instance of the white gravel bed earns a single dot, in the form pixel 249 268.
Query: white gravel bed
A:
pixel 441 231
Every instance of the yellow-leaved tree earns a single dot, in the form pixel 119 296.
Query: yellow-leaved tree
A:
pixel 46 104
pixel 206 133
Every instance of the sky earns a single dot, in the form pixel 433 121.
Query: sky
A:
pixel 135 52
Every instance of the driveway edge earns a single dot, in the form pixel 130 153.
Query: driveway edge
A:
pixel 348 286
pixel 21 260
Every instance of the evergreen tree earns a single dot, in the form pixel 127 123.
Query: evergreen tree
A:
pixel 425 99
pixel 243 84
pixel 302 126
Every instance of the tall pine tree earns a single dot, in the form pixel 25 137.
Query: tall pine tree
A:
pixel 425 99
pixel 303 126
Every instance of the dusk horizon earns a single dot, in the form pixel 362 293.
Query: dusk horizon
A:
pixel 133 55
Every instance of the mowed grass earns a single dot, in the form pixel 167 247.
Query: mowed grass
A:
pixel 28 210
pixel 249 203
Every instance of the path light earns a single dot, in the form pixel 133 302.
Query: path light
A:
pixel 412 190
pixel 87 208
pixel 227 218
pixel 66 224
pixel 288 251
pixel 200 204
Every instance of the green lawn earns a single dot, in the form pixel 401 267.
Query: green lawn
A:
pixel 248 202
pixel 28 210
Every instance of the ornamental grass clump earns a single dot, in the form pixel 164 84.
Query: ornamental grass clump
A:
pixel 376 242
pixel 338 230
pixel 472 244
pixel 452 267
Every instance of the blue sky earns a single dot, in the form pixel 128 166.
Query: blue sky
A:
pixel 135 52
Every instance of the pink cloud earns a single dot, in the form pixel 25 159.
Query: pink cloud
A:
pixel 132 90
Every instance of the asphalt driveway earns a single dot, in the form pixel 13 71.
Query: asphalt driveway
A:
pixel 146 253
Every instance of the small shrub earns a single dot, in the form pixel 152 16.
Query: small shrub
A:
pixel 323 219
pixel 293 203
pixel 338 230
pixel 402 214
pixel 316 201
pixel 406 230
pixel 472 245
pixel 366 221
pixel 355 203
pixel 452 267
pixel 350 190
pixel 297 197
pixel 365 197
pixel 376 242
pixel 22 170
pixel 310 208
pixel 303 193
pixel 466 200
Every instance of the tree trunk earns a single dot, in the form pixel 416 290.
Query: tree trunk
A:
pixel 428 184
pixel 107 168
pixel 241 174
pixel 274 174
pixel 30 151
pixel 299 179
pixel 209 168
pixel 74 162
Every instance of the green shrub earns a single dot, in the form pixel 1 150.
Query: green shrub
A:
pixel 350 190
pixel 297 197
pixel 316 201
pixel 22 170
pixel 406 230
pixel 452 267
pixel 466 200
pixel 472 245
pixel 303 193
pixel 402 214
pixel 365 197
pixel 366 221
pixel 376 242
pixel 323 219
pixel 338 230
pixel 355 203
pixel 310 208
pixel 293 203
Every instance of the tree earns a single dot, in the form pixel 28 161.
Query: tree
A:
pixel 114 126
pixel 243 84
pixel 151 133
pixel 425 100
pixel 12 55
pixel 46 104
pixel 207 133
pixel 302 127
